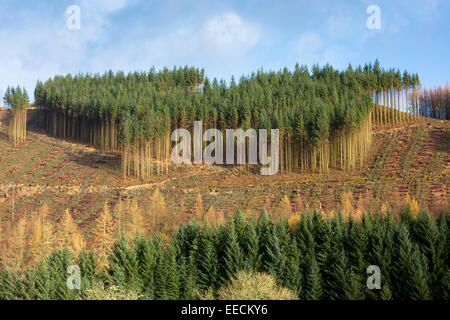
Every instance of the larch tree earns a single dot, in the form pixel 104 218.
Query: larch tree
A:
pixel 158 208
pixel 103 235
pixel 136 223
pixel 198 209
pixel 67 234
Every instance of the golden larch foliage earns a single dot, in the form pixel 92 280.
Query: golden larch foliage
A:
pixel 36 240
pixel 248 214
pixel 47 231
pixel 384 209
pixel 119 215
pixel 357 214
pixel 285 207
pixel 214 217
pixel 293 221
pixel 198 208
pixel 136 222
pixel 103 235
pixel 67 234
pixel 158 208
pixel 17 243
pixel 346 203
pixel 165 233
pixel 331 213
pixel 158 203
pixel 412 204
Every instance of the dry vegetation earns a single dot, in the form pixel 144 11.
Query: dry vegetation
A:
pixel 56 193
pixel 255 286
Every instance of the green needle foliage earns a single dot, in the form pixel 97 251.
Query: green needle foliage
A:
pixel 324 115
pixel 204 262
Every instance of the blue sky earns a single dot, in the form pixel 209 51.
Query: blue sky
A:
pixel 224 37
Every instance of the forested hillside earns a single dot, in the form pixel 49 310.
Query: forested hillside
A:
pixel 324 115
pixel 86 178
pixel 315 258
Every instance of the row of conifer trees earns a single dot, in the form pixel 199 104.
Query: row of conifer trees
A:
pixel 17 99
pixel 318 259
pixel 324 115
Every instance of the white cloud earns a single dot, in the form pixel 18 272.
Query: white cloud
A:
pixel 225 37
pixel 307 47
pixel 427 10
pixel 341 25
pixel 229 32
pixel 43 46
pixel 311 48
pixel 107 6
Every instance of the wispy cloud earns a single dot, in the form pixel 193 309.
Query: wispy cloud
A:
pixel 40 45
pixel 227 38
pixel 229 33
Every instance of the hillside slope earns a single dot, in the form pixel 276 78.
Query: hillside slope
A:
pixel 412 160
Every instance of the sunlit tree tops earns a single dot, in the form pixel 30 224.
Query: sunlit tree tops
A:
pixel 304 103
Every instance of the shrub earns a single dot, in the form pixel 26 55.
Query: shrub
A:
pixel 254 286
pixel 100 292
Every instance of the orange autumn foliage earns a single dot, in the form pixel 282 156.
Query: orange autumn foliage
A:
pixel 67 234
pixel 103 235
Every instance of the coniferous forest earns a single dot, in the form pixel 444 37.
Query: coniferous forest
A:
pixel 314 258
pixel 324 115
pixel 326 120
pixel 233 159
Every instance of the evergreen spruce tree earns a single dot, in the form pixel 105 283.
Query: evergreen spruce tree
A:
pixel 305 240
pixel 385 293
pixel 28 286
pixel 189 279
pixel 353 288
pixel 357 247
pixel 88 268
pixel 146 255
pixel 123 265
pixel 323 238
pixel 8 283
pixel 445 287
pixel 160 273
pixel 58 263
pixel 313 282
pixel 417 283
pixel 240 225
pixel 275 263
pixel 172 275
pixel 432 244
pixel 402 264
pixel 207 262
pixel 264 229
pixel 233 256
pixel 43 282
pixel 251 248
pixel 343 283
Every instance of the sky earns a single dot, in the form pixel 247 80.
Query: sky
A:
pixel 41 39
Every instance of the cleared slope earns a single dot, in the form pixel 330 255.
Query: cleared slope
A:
pixel 410 160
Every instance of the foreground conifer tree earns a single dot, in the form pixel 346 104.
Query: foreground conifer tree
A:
pixel 204 262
